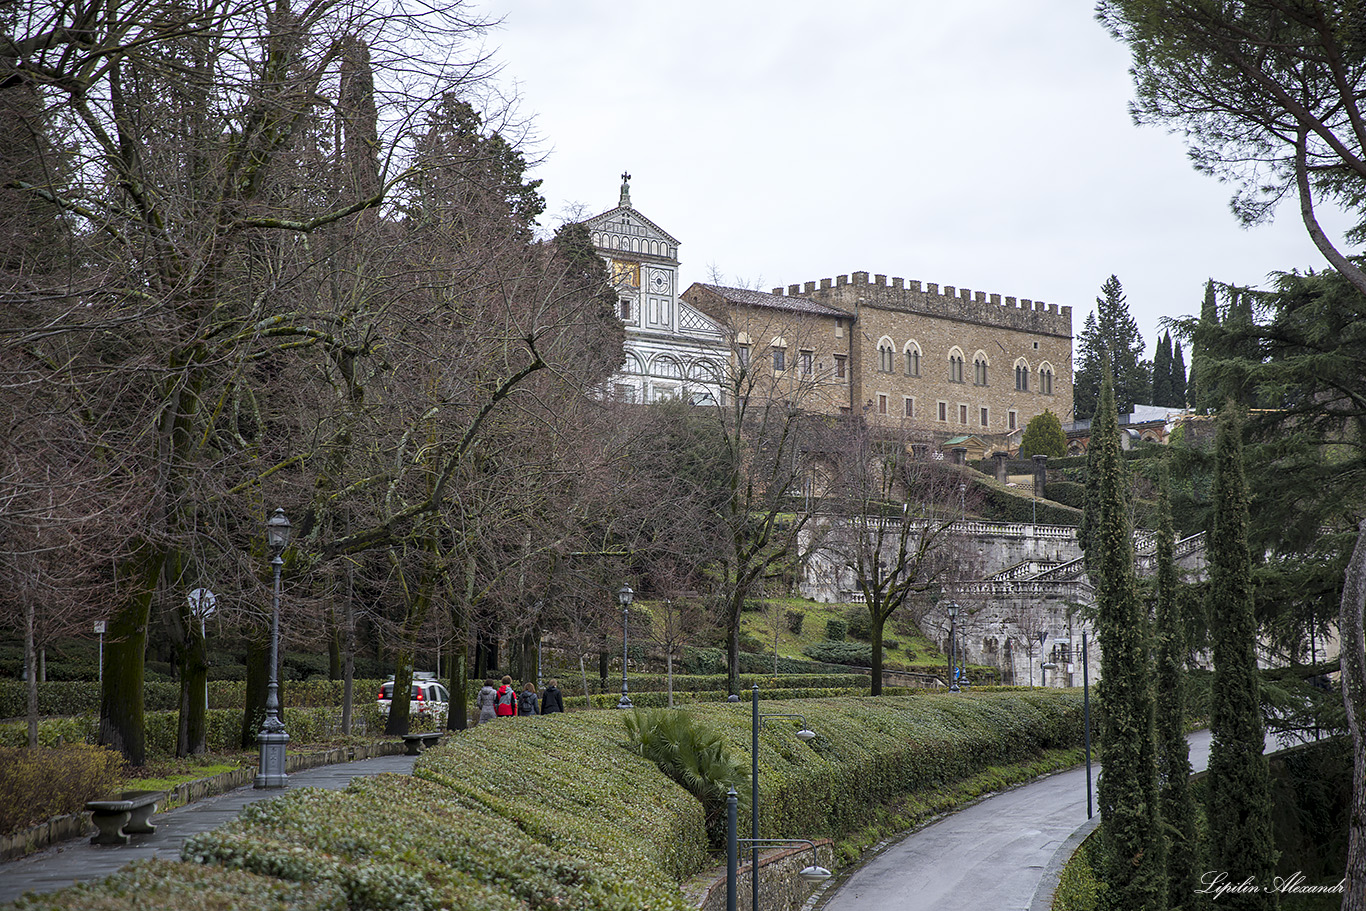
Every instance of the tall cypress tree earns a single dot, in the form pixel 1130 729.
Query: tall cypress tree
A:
pixel 1162 371
pixel 1178 382
pixel 1239 790
pixel 1198 392
pixel 1173 753
pixel 1131 823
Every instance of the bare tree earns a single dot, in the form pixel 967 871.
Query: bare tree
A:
pixel 890 523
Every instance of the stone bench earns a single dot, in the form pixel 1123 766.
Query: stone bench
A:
pixel 128 814
pixel 416 743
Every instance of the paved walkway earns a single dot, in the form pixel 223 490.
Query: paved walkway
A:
pixel 79 861
pixel 993 854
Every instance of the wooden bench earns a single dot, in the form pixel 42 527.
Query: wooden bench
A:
pixel 416 743
pixel 128 814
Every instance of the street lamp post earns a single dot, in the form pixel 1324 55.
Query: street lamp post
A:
pixel 953 646
pixel 273 736
pixel 1043 662
pixel 625 595
pixel 754 840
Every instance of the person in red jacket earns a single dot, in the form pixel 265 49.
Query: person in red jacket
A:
pixel 506 701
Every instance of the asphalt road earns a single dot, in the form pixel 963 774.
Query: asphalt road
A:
pixel 990 855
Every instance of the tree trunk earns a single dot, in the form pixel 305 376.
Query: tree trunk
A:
pixel 30 662
pixel 877 620
pixel 258 682
pixel 1350 622
pixel 403 688
pixel 122 720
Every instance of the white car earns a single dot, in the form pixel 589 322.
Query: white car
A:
pixel 429 697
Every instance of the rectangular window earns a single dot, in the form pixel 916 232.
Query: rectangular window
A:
pixel 910 407
pixel 626 308
pixel 944 412
pixel 840 366
pixel 742 355
pixel 984 417
pixel 962 414
pixel 1011 420
pixel 881 404
pixel 808 363
pixel 839 328
pixel 779 358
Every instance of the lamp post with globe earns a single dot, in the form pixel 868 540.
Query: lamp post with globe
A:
pixel 273 736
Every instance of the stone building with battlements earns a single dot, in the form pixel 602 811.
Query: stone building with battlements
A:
pixel 939 362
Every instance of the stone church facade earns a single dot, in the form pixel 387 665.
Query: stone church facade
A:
pixel 672 350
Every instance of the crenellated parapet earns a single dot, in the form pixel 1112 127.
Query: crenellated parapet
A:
pixel 947 302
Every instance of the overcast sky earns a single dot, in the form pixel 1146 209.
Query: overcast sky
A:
pixel 985 145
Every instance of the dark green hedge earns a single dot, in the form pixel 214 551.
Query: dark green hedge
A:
pixel 1008 506
pixel 1068 493
pixel 75 697
pixel 857 654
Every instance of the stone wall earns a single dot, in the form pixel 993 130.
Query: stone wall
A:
pixel 780 888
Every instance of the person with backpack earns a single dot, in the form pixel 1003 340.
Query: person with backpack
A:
pixel 526 703
pixel 551 700
pixel 506 703
pixel 485 701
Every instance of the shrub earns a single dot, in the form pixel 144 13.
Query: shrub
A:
pixel 36 784
pixel 1043 436
pixel 854 653
pixel 1068 493
pixel 694 756
pixel 794 621
pixel 750 643
pixel 858 623
pixel 835 629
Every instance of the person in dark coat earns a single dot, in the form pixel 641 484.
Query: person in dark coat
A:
pixel 526 703
pixel 551 700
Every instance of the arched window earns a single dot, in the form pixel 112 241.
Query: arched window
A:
pixel 955 366
pixel 668 366
pixel 979 368
pixel 633 365
pixel 1022 375
pixel 886 355
pixel 911 354
pixel 1046 378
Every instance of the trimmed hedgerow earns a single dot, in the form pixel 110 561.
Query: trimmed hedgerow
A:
pixel 858 654
pixel 38 784
pixel 187 887
pixel 547 812
pixel 77 697
pixel 306 725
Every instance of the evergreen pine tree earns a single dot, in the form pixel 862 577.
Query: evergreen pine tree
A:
pixel 1110 330
pixel 1238 786
pixel 1086 380
pixel 1131 823
pixel 1162 371
pixel 1178 381
pixel 1173 753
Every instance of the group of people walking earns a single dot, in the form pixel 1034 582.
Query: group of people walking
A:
pixel 502 701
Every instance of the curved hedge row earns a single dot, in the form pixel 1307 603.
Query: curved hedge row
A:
pixel 555 812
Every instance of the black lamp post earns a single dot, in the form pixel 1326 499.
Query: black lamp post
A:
pixel 953 646
pixel 754 839
pixel 273 737
pixel 625 596
pixel 1043 661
